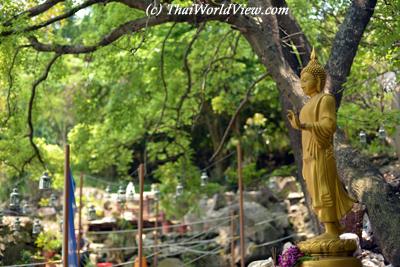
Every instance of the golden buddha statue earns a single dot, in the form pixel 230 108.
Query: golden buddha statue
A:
pixel 330 201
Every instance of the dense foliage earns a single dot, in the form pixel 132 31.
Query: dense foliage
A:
pixel 165 95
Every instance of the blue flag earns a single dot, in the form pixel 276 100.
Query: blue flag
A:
pixel 72 255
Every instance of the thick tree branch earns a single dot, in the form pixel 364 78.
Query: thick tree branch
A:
pixel 367 185
pixel 30 106
pixel 236 113
pixel 34 11
pixel 128 27
pixel 68 14
pixel 345 45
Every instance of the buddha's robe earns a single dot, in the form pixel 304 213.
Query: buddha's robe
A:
pixel 330 200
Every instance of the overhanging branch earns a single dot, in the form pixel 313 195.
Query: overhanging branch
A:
pixel 30 106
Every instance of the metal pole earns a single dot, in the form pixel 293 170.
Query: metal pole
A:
pixel 155 258
pixel 80 220
pixel 241 210
pixel 66 210
pixel 141 185
pixel 233 234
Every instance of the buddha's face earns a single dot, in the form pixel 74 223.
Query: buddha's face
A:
pixel 309 84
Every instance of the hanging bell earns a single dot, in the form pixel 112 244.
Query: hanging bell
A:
pixel 14 199
pixel 37 227
pixel 363 137
pixel 53 200
pixel 17 225
pixel 92 213
pixel 179 190
pixel 382 133
pixel 121 198
pixel 45 182
pixel 204 179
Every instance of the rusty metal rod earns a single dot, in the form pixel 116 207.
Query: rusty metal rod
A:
pixel 141 186
pixel 241 209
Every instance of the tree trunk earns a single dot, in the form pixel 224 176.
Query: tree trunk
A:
pixel 367 185
pixel 214 129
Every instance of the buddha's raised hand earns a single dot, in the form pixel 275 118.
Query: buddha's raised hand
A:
pixel 293 119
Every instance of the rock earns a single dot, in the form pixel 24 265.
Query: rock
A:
pixel 286 246
pixel 264 263
pixel 171 262
pixel 264 196
pixel 354 237
pixel 219 201
pixel 371 259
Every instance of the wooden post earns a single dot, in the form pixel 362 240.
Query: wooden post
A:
pixel 233 234
pixel 141 186
pixel 66 211
pixel 155 258
pixel 241 209
pixel 80 221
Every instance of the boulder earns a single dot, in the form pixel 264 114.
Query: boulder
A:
pixel 171 262
pixel 263 263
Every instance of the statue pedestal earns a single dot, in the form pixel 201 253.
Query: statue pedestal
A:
pixel 330 253
pixel 333 262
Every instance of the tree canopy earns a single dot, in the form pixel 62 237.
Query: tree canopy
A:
pixel 124 88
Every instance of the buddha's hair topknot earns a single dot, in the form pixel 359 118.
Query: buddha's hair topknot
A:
pixel 314 68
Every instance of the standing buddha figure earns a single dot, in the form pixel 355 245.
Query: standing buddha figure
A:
pixel 317 122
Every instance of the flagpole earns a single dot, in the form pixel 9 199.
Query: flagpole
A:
pixel 80 221
pixel 141 186
pixel 66 210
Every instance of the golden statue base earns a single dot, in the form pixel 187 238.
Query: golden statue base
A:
pixel 330 253
pixel 333 262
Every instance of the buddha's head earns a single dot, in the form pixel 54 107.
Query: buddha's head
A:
pixel 313 76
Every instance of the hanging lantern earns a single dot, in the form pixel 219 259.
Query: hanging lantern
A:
pixel 363 137
pixel 25 208
pixel 204 179
pixel 17 225
pixel 53 200
pixel 108 192
pixel 45 182
pixel 130 191
pixel 382 133
pixel 37 227
pixel 1 217
pixel 121 198
pixel 179 190
pixel 131 196
pixel 14 199
pixel 92 213
pixel 156 191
